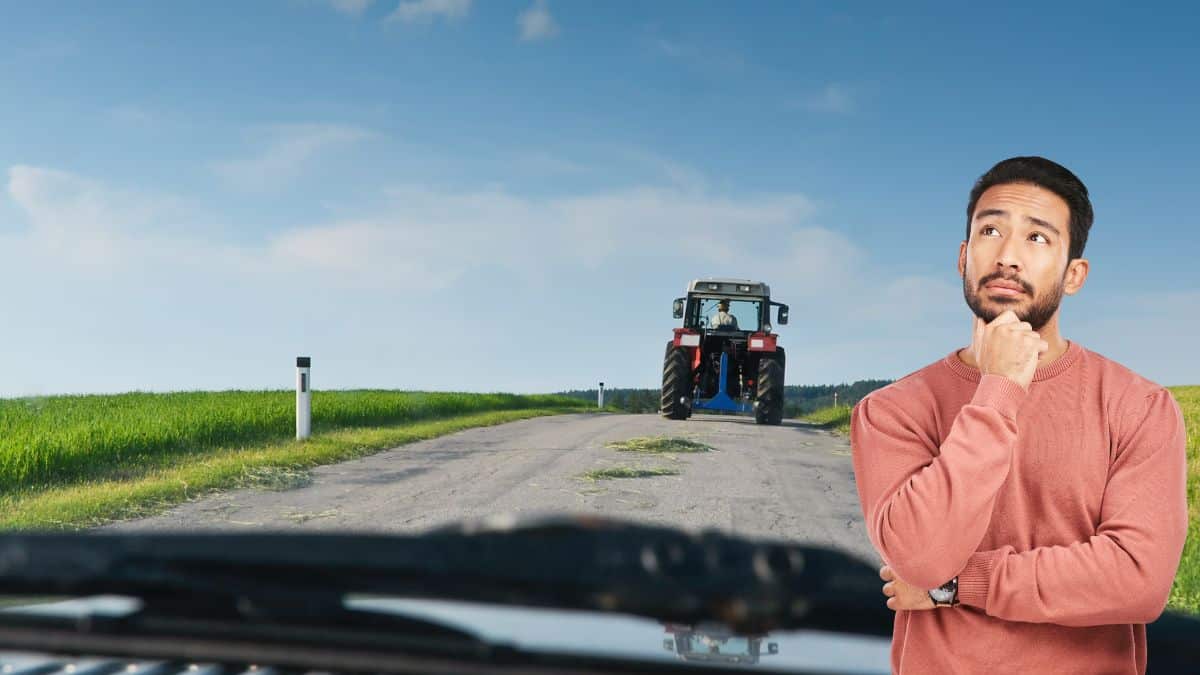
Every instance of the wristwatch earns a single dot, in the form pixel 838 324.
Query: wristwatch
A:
pixel 945 595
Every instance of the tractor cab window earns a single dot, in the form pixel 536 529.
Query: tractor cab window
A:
pixel 742 314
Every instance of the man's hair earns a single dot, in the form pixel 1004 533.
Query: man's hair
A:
pixel 1046 174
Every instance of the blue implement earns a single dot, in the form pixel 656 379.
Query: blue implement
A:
pixel 722 401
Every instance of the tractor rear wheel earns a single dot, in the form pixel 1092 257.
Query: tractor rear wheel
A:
pixel 769 408
pixel 676 385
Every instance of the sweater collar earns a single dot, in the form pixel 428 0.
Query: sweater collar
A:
pixel 1057 367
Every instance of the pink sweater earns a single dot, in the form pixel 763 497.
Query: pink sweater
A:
pixel 1062 511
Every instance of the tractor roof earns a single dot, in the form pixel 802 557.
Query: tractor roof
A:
pixel 730 287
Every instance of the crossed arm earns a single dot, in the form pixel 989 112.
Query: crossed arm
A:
pixel 927 514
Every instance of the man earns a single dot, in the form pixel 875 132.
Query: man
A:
pixel 1033 488
pixel 723 319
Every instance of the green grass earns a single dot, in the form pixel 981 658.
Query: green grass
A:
pixel 62 440
pixel 627 472
pixel 272 465
pixel 658 444
pixel 1185 592
pixel 836 418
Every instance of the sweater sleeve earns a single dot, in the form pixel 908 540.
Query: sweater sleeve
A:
pixel 1121 574
pixel 928 507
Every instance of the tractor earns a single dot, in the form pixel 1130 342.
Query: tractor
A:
pixel 715 643
pixel 725 358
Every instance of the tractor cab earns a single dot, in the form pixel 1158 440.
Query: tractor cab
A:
pixel 715 644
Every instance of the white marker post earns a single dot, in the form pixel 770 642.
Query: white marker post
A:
pixel 600 397
pixel 303 398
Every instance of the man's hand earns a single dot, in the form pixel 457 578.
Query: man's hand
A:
pixel 902 595
pixel 1007 346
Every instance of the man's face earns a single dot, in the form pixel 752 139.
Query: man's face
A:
pixel 1016 257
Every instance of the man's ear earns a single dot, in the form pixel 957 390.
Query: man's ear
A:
pixel 962 259
pixel 1077 272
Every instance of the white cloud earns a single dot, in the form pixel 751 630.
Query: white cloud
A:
pixel 430 238
pixel 147 259
pixel 78 219
pixel 834 98
pixel 83 227
pixel 351 7
pixel 425 11
pixel 536 22
pixel 287 150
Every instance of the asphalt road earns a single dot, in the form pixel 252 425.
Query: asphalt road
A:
pixel 790 482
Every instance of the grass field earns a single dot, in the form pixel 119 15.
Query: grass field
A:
pixel 77 461
pixel 65 439
pixel 834 417
pixel 271 466
pixel 1185 593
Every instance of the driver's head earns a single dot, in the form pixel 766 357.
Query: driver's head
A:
pixel 723 305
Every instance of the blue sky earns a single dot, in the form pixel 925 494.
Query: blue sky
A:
pixel 506 196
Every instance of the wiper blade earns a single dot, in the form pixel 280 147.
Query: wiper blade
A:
pixel 560 562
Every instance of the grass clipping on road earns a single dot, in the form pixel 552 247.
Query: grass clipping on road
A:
pixel 71 462
pixel 628 472
pixel 658 444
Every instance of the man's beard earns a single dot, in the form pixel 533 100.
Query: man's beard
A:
pixel 1038 313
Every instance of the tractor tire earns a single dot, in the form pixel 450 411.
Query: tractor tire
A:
pixel 676 385
pixel 769 408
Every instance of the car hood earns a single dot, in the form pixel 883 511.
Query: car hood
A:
pixel 590 633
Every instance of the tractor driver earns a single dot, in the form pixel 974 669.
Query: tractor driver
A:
pixel 723 319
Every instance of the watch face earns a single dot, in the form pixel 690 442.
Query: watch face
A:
pixel 940 595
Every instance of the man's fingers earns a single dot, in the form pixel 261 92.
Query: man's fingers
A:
pixel 892 603
pixel 889 589
pixel 1019 327
pixel 1007 316
pixel 886 573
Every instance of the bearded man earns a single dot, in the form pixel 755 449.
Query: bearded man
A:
pixel 1026 495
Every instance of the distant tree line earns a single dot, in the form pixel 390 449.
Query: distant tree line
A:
pixel 625 400
pixel 798 399
pixel 801 399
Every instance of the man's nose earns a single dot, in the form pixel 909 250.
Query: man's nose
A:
pixel 1008 257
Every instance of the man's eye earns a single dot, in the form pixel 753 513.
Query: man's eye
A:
pixel 989 227
pixel 1044 240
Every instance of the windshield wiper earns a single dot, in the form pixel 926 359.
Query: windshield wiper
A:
pixel 560 562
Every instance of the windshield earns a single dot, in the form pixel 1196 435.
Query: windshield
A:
pixel 730 314
pixel 335 285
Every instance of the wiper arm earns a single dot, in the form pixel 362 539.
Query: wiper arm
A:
pixel 561 562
